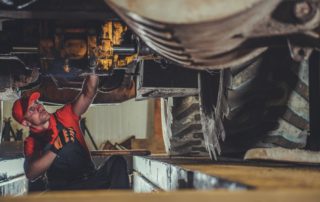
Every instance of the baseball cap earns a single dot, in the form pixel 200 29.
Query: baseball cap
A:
pixel 21 105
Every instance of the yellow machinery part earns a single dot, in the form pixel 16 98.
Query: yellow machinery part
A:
pixel 78 48
pixel 127 60
pixel 112 35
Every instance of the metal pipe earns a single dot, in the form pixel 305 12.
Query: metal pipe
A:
pixel 124 50
pixel 25 50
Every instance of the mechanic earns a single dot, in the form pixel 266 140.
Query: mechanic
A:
pixel 56 146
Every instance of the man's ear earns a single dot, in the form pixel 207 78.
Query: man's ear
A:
pixel 26 123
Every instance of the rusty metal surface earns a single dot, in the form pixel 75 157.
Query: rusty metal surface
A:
pixel 304 10
pixel 199 39
pixel 50 94
pixel 57 9
pixel 189 11
pixel 213 44
pixel 14 72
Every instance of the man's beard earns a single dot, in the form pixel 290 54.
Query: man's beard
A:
pixel 45 116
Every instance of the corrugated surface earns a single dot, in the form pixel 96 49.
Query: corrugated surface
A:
pixel 141 185
pixel 117 122
pixel 14 187
pixel 12 179
pixel 10 168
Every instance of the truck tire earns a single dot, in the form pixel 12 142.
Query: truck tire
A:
pixel 181 126
pixel 261 104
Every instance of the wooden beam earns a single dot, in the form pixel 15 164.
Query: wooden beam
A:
pixel 133 152
pixel 182 196
pixel 284 155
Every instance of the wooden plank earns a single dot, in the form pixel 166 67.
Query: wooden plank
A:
pixel 154 143
pixel 182 196
pixel 283 154
pixel 266 177
pixel 133 152
pixel 11 149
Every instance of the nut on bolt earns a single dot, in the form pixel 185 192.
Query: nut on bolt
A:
pixel 304 11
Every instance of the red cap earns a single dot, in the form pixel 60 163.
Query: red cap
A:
pixel 21 105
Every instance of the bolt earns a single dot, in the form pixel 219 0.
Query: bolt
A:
pixel 304 11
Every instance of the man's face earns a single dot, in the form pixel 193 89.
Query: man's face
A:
pixel 36 114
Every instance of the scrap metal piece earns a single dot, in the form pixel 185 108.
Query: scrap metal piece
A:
pixel 168 176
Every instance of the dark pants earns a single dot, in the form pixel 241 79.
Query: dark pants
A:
pixel 112 174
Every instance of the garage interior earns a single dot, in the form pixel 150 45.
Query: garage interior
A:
pixel 207 100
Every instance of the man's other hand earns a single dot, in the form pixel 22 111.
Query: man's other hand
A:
pixel 67 135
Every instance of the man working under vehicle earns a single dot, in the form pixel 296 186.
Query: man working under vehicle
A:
pixel 56 146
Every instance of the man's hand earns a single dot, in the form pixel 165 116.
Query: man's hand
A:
pixel 65 136
pixel 85 98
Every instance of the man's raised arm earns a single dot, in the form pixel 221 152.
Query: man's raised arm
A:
pixel 85 98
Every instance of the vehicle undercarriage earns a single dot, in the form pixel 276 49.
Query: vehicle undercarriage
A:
pixel 232 74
